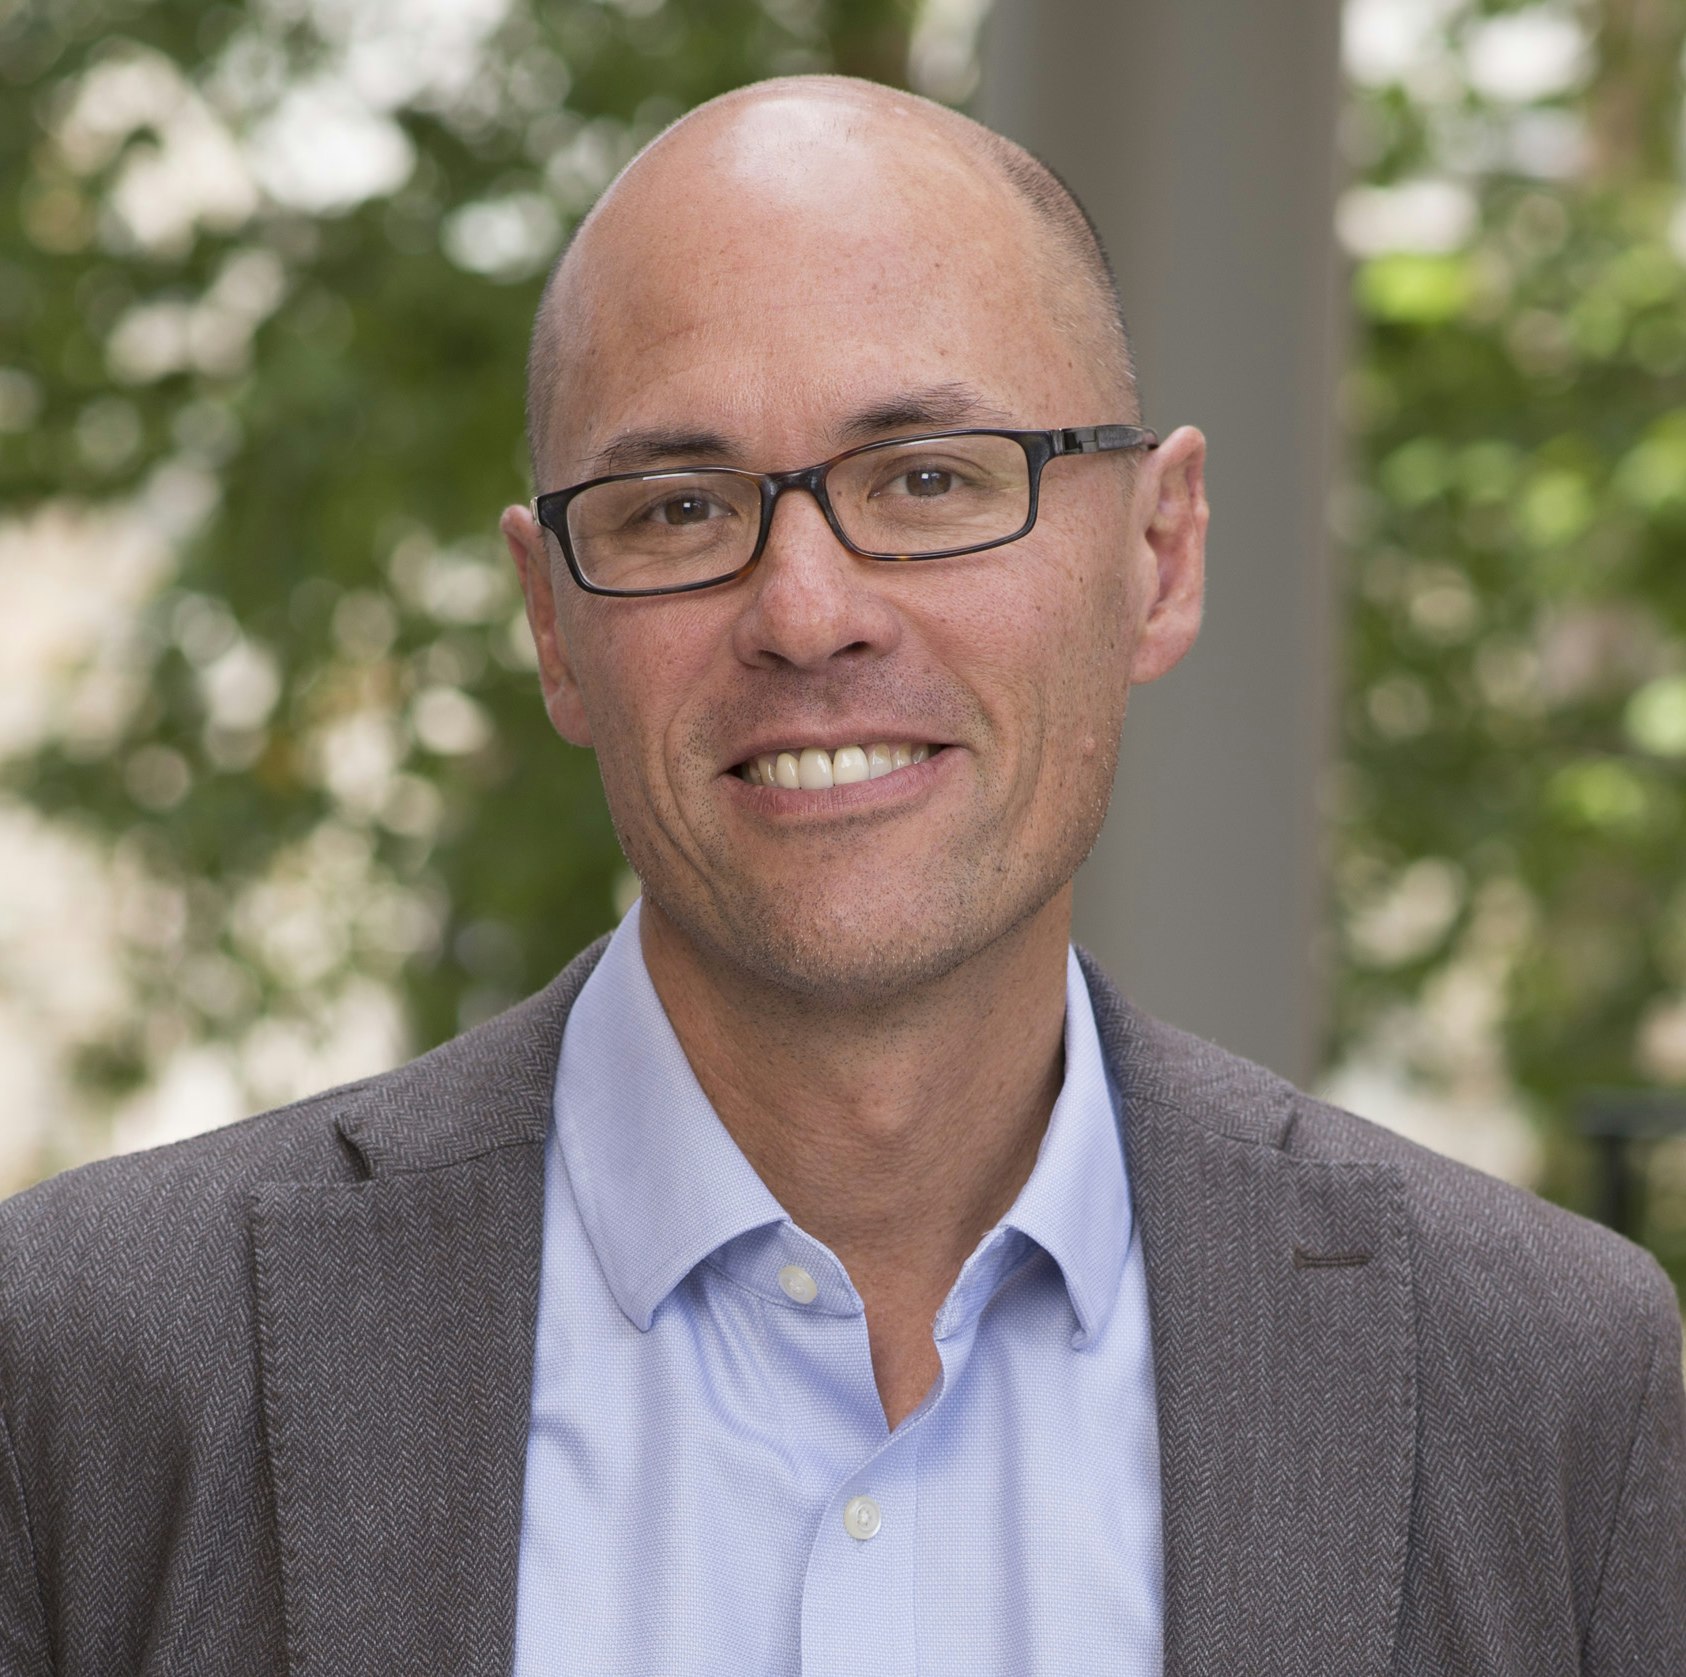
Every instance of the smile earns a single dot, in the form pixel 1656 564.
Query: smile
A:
pixel 811 769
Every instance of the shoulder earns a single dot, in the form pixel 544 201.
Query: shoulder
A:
pixel 1548 1382
pixel 132 1233
pixel 1506 1279
pixel 1491 1262
pixel 154 1245
pixel 1487 1225
pixel 1547 1345
pixel 1545 1349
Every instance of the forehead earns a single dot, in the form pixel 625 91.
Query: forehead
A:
pixel 794 265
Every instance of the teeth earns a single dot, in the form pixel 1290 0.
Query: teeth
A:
pixel 812 769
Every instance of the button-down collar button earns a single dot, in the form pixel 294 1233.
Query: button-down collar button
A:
pixel 862 1518
pixel 799 1285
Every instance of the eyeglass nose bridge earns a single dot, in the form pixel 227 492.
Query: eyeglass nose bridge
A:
pixel 775 485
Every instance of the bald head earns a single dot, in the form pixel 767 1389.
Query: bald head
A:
pixel 806 145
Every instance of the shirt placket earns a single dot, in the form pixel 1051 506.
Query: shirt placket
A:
pixel 860 1594
pixel 858 1597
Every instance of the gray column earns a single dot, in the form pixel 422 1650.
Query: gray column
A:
pixel 1201 135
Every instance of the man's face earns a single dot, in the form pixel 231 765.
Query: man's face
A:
pixel 789 287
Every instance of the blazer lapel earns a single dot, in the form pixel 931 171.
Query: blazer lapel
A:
pixel 1284 1343
pixel 396 1317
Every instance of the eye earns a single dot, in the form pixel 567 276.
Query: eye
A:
pixel 689 508
pixel 927 481
pixel 683 509
pixel 919 480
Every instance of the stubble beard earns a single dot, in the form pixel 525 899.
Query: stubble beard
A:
pixel 860 944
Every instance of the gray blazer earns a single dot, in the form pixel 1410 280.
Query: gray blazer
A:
pixel 264 1395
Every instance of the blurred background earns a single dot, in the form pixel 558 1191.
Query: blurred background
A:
pixel 279 805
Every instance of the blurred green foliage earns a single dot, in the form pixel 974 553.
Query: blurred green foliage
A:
pixel 318 741
pixel 1512 797
pixel 266 274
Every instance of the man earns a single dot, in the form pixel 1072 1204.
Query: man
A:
pixel 832 1272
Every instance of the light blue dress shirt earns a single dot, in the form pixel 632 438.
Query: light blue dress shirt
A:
pixel 711 1484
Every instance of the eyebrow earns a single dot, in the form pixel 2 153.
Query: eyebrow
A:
pixel 928 407
pixel 631 451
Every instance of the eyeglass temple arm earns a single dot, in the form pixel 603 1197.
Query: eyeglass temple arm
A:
pixel 1102 439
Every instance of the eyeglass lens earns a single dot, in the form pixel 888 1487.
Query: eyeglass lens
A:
pixel 900 499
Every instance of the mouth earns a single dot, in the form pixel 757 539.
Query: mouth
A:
pixel 812 768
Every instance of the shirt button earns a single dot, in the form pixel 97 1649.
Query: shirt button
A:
pixel 798 1284
pixel 862 1518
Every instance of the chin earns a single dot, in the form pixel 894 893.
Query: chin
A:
pixel 857 970
pixel 852 953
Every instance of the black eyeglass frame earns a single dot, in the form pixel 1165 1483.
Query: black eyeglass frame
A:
pixel 551 508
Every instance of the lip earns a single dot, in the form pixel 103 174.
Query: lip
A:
pixel 915 782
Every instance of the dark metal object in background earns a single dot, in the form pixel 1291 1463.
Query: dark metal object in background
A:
pixel 1617 1122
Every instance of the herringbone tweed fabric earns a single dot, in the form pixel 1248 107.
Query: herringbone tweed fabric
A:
pixel 263 1396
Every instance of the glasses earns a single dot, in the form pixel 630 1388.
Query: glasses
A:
pixel 930 497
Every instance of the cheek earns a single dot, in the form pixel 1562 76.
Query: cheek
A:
pixel 1078 643
pixel 990 634
pixel 1093 589
pixel 1040 633
pixel 641 665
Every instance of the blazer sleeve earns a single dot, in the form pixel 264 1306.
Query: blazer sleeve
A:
pixel 23 1624
pixel 1638 1623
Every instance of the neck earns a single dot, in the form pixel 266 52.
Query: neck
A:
pixel 896 1135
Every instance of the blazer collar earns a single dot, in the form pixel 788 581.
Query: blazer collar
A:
pixel 489 1088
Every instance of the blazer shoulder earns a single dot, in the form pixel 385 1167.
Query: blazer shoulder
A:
pixel 447 1101
pixel 1524 1309
pixel 1539 1335
pixel 146 1246
pixel 160 1237
pixel 1478 1221
pixel 1548 1358
pixel 1485 1252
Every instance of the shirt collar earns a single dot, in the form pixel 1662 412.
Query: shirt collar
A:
pixel 660 1184
pixel 1076 1202
pixel 658 1180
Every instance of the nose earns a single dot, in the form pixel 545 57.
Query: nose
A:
pixel 809 600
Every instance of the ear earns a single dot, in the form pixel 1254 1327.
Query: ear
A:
pixel 1172 493
pixel 524 536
